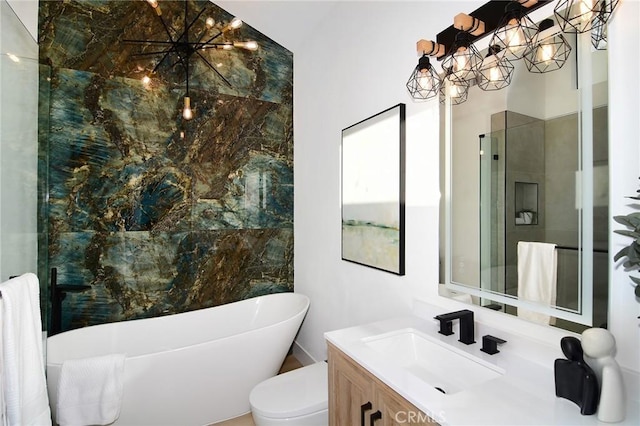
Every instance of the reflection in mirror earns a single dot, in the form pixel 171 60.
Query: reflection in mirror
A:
pixel 527 228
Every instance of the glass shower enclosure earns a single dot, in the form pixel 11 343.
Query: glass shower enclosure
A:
pixel 19 157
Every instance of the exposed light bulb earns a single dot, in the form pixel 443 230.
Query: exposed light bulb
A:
pixel 210 22
pixel 586 10
pixel 425 83
pixel 460 61
pixel 514 37
pixel 146 80
pixel 187 112
pixel 249 45
pixel 494 74
pixel 455 91
pixel 233 25
pixel 546 52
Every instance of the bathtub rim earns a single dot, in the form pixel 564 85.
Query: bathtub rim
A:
pixel 303 311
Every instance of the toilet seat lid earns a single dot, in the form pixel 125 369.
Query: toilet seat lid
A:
pixel 295 393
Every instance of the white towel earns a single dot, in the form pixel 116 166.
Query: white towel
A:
pixel 537 278
pixel 24 385
pixel 90 390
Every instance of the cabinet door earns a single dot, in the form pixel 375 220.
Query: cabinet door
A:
pixel 351 396
pixel 397 411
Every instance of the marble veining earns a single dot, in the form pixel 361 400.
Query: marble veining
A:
pixel 157 214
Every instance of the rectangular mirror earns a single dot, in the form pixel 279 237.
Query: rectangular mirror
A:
pixel 526 193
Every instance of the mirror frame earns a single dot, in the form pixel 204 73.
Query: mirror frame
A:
pixel 584 315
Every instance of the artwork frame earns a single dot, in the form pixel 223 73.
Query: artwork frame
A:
pixel 373 157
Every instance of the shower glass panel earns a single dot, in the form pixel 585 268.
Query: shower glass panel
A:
pixel 492 221
pixel 18 150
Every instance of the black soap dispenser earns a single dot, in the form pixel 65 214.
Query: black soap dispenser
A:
pixel 575 380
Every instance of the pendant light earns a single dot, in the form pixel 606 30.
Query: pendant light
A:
pixel 550 49
pixel 496 70
pixel 424 82
pixel 514 32
pixel 456 87
pixel 579 15
pixel 463 58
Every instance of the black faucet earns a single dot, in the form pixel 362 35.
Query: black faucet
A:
pixel 466 325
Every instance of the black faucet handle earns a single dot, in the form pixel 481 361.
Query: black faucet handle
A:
pixel 446 326
pixel 490 344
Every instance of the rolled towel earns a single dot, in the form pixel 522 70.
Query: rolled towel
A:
pixel 90 390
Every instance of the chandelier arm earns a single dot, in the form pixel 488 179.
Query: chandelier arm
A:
pixel 188 27
pixel 148 41
pixel 203 46
pixel 213 68
pixel 187 73
pixel 163 58
pixel 213 38
pixel 166 28
pixel 204 32
pixel 160 52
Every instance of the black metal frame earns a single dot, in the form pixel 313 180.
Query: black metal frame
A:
pixel 401 116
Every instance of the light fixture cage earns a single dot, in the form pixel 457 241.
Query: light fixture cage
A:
pixel 496 71
pixel 549 53
pixel 580 15
pixel 463 58
pixel 458 88
pixel 424 83
pixel 515 32
pixel 599 34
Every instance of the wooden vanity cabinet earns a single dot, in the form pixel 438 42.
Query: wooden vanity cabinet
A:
pixel 356 397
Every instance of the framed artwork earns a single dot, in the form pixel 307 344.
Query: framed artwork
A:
pixel 373 191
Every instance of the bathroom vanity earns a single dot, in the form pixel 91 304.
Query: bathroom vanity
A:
pixel 402 371
pixel 357 397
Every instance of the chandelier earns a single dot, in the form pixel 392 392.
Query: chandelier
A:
pixel 188 42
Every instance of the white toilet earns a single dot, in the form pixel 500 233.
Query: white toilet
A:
pixel 296 398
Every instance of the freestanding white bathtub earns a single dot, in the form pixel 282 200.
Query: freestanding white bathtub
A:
pixel 193 368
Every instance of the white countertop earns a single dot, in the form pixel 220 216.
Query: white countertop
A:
pixel 524 395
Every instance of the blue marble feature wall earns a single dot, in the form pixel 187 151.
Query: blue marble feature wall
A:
pixel 157 214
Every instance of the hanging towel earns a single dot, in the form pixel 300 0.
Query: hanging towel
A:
pixel 24 386
pixel 90 390
pixel 537 278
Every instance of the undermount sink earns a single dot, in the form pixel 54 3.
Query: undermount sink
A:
pixel 444 367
